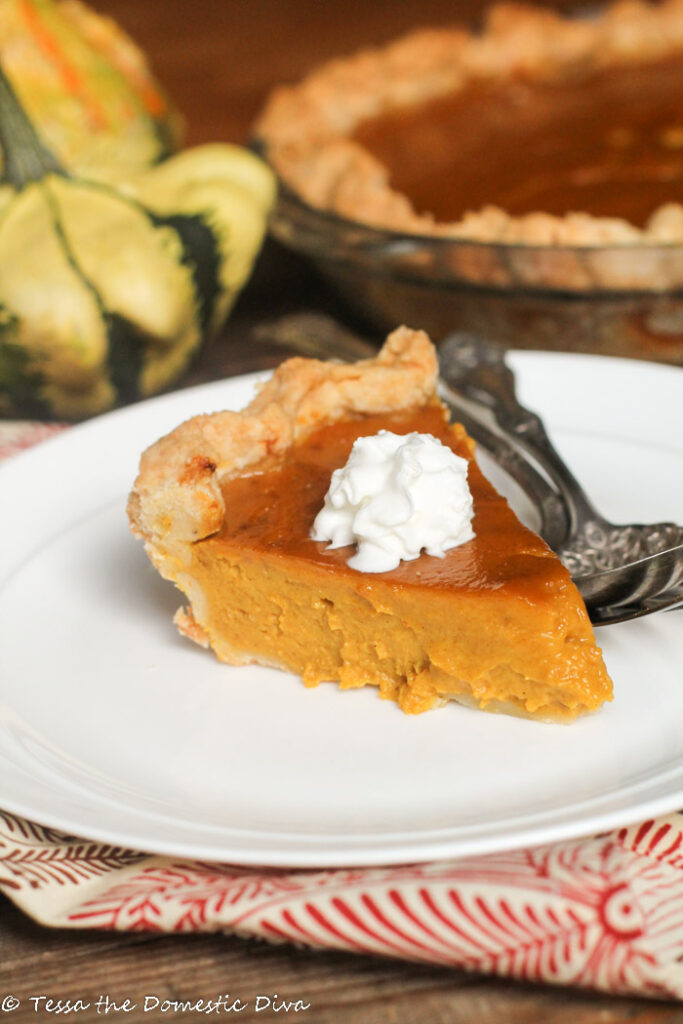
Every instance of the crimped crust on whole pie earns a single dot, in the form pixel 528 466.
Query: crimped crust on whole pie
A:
pixel 307 129
pixel 177 495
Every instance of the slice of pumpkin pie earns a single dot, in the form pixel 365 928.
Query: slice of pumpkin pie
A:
pixel 392 562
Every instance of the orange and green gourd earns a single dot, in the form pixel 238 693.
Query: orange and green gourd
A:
pixel 86 86
pixel 108 289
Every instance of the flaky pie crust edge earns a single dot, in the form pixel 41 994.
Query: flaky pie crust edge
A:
pixel 177 496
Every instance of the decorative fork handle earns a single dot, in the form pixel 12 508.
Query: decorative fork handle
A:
pixel 478 370
pixel 593 548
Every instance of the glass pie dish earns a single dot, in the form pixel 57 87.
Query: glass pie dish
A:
pixel 624 300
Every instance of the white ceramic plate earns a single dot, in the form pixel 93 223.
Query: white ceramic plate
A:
pixel 114 727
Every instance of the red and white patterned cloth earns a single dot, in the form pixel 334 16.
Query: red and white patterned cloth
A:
pixel 605 912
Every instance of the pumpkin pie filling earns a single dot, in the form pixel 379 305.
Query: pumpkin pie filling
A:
pixel 609 144
pixel 494 622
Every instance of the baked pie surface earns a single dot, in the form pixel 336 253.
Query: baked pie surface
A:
pixel 540 130
pixel 225 505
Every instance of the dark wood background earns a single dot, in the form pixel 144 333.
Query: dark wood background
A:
pixel 218 59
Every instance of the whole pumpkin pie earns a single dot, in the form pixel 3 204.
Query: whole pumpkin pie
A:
pixel 226 504
pixel 539 130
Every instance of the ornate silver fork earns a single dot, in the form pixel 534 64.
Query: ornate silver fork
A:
pixel 622 571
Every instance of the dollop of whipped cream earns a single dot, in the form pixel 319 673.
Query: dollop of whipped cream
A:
pixel 396 496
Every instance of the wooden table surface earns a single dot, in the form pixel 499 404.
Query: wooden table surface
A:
pixel 218 59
